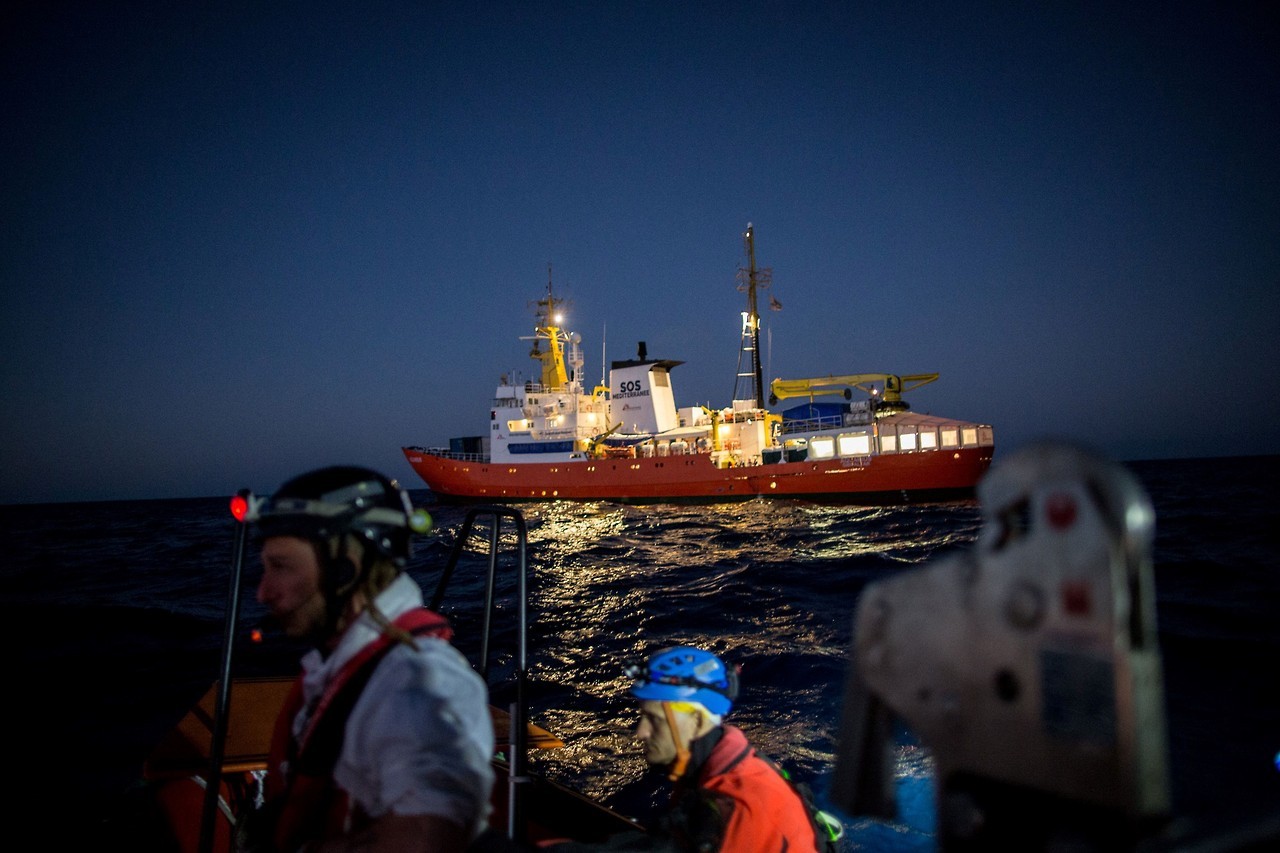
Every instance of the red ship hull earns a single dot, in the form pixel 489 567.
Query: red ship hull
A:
pixel 885 478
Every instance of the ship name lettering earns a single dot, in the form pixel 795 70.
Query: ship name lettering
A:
pixel 632 388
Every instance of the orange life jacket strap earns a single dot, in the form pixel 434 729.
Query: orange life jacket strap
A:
pixel 312 806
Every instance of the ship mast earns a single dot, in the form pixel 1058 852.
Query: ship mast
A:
pixel 751 280
pixel 553 375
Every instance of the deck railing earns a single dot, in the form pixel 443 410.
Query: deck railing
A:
pixel 446 453
pixel 811 424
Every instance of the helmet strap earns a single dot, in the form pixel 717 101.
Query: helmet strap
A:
pixel 681 764
pixel 341 579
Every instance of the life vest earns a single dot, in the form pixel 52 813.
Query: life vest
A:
pixel 181 806
pixel 740 803
pixel 307 803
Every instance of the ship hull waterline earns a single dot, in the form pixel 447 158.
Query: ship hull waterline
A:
pixel 881 479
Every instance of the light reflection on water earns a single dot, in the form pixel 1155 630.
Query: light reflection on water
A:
pixel 770 586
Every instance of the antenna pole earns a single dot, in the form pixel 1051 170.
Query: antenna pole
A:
pixel 752 275
pixel 222 710
pixel 751 280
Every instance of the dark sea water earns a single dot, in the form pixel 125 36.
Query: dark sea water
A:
pixel 115 613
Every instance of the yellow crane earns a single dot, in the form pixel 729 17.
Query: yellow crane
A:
pixel 595 445
pixel 891 401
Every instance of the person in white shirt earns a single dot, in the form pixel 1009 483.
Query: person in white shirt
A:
pixel 386 740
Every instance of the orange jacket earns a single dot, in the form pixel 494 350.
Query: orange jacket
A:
pixel 742 799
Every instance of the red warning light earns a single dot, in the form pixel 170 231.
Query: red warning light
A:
pixel 239 507
pixel 256 635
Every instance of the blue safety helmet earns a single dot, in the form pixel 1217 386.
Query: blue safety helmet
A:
pixel 685 674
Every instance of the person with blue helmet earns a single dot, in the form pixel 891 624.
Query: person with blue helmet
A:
pixel 686 690
pixel 727 797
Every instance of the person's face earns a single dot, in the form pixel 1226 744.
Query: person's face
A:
pixel 655 735
pixel 290 586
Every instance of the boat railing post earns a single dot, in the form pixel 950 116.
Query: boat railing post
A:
pixel 491 582
pixel 213 784
pixel 519 740
pixel 518 759
pixel 459 543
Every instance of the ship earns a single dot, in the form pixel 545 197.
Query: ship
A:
pixel 556 438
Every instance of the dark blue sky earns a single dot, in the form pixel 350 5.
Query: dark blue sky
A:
pixel 254 238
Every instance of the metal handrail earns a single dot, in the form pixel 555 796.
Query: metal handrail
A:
pixel 517 776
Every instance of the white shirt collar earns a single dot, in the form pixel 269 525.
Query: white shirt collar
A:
pixel 401 596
